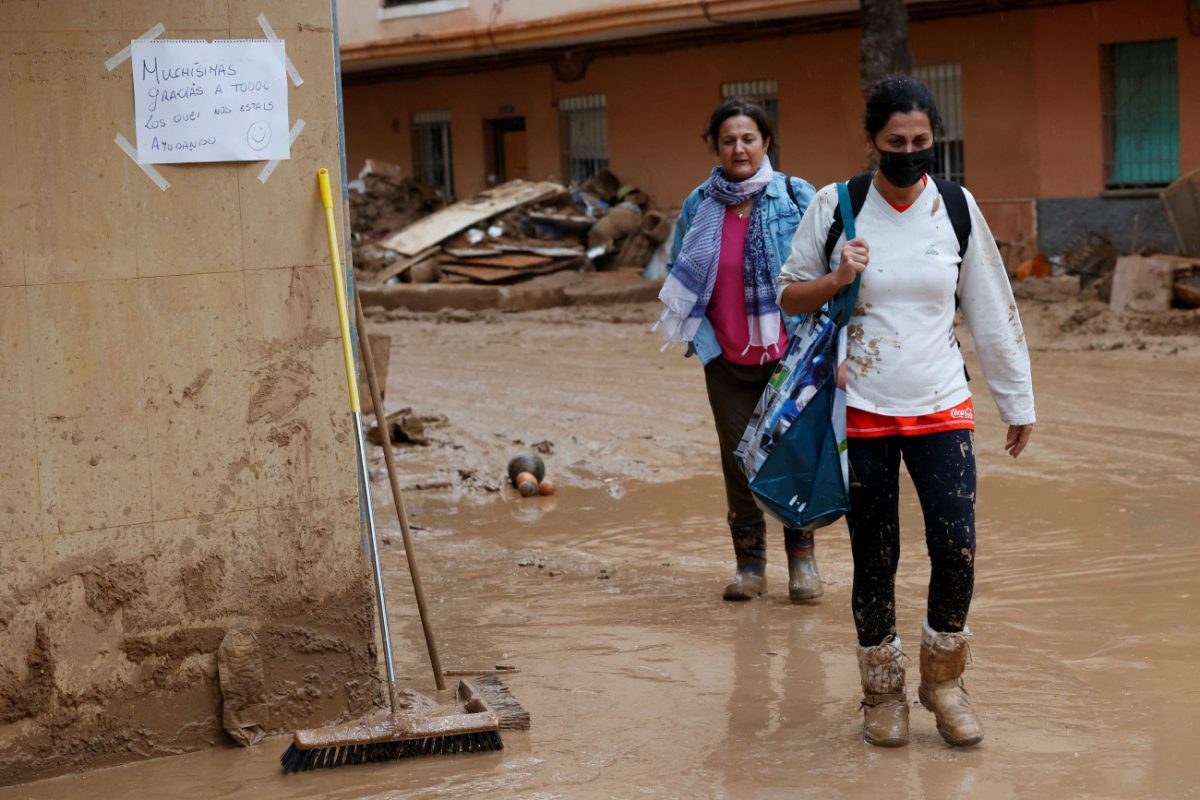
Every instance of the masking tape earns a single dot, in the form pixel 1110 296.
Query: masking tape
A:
pixel 270 34
pixel 149 169
pixel 265 174
pixel 119 59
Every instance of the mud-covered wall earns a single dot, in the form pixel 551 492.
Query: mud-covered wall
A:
pixel 176 458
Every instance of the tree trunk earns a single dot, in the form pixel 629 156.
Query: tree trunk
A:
pixel 885 49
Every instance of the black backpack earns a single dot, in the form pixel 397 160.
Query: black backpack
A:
pixel 952 195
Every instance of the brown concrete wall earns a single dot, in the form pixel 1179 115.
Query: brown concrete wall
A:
pixel 174 456
pixel 1069 96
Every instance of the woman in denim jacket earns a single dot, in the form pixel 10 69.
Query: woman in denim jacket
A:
pixel 733 235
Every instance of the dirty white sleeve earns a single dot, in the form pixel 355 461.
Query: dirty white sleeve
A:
pixel 987 302
pixel 807 259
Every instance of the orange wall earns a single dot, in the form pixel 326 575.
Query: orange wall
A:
pixel 1031 104
pixel 378 120
pixel 1067 45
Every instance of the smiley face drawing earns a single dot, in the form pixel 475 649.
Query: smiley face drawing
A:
pixel 258 135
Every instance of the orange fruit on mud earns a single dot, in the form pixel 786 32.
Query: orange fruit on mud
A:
pixel 546 487
pixel 527 484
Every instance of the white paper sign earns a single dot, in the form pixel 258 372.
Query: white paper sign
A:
pixel 210 101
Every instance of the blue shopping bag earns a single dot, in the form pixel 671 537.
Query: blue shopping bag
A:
pixel 794 449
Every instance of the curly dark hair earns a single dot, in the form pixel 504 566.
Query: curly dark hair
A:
pixel 899 94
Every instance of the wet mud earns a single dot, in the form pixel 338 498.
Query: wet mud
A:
pixel 642 681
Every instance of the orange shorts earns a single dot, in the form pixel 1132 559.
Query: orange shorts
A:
pixel 867 425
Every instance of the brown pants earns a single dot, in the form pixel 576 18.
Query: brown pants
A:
pixel 733 393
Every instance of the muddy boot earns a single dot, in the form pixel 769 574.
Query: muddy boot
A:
pixel 943 659
pixel 804 582
pixel 884 703
pixel 750 546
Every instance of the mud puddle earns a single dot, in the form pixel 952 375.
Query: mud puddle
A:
pixel 642 682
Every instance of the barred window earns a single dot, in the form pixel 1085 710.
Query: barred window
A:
pixel 945 84
pixel 586 131
pixel 1141 114
pixel 432 160
pixel 766 94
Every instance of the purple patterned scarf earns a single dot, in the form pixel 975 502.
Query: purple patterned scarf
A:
pixel 689 286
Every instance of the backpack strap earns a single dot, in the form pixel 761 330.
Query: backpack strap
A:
pixel 841 305
pixel 956 207
pixel 858 187
pixel 791 190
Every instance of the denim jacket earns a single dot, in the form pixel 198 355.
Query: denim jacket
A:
pixel 782 219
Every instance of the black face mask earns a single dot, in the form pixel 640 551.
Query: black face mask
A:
pixel 904 169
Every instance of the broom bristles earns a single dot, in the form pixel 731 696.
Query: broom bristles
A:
pixel 296 760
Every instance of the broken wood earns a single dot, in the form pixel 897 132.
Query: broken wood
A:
pixel 442 224
pixel 490 275
pixel 506 261
pixel 1182 203
pixel 403 265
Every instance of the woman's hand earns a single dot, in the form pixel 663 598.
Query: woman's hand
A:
pixel 855 255
pixel 1018 437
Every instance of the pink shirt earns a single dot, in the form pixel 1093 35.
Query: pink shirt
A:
pixel 727 309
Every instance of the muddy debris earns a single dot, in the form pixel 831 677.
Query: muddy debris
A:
pixel 405 426
pixel 506 234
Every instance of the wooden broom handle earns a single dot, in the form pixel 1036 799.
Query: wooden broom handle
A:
pixel 397 497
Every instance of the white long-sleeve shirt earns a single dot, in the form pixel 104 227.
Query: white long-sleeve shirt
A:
pixel 903 357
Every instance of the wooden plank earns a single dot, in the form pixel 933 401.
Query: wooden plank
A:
pixel 444 223
pixel 1187 291
pixel 553 252
pixel 1182 202
pixel 506 261
pixel 474 252
pixel 500 275
pixel 403 265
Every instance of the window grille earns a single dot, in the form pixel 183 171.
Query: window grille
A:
pixel 586 130
pixel 432 159
pixel 945 84
pixel 1141 114
pixel 766 94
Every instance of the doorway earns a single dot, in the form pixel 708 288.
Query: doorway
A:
pixel 506 155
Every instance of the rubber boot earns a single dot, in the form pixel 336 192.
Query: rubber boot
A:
pixel 884 703
pixel 943 659
pixel 804 582
pixel 750 547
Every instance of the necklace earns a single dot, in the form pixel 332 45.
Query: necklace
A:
pixel 742 214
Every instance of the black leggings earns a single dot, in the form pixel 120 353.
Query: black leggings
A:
pixel 942 466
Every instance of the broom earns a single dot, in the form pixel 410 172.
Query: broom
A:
pixel 414 726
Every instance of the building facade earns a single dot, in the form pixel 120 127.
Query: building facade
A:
pixel 1061 117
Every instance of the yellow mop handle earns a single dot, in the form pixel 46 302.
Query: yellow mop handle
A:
pixel 339 285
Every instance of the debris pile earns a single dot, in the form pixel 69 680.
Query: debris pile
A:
pixel 509 233
pixel 383 200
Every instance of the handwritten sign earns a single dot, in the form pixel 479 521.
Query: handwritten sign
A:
pixel 198 101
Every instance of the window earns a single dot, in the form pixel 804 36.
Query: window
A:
pixel 945 84
pixel 432 160
pixel 395 9
pixel 766 94
pixel 1141 114
pixel 586 135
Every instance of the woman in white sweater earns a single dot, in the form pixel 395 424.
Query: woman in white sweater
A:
pixel 908 398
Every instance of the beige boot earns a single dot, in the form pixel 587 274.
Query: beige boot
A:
pixel 884 703
pixel 943 659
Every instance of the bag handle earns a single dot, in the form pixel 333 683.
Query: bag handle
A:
pixel 842 304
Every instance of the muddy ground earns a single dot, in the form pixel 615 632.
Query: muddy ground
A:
pixel 642 682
